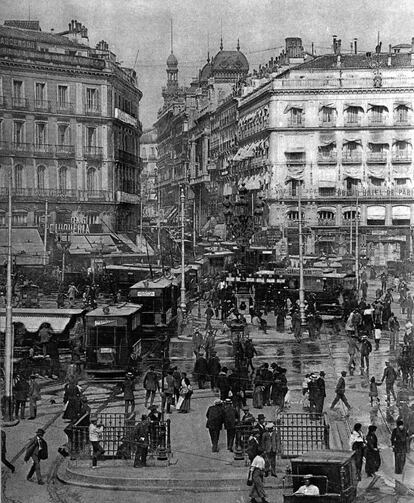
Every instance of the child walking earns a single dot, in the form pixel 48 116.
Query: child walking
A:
pixel 373 391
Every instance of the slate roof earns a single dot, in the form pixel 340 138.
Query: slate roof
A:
pixel 230 60
pixel 357 61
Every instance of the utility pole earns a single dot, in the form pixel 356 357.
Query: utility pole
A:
pixel 301 280
pixel 140 213
pixel 183 304
pixel 45 235
pixel 9 343
pixel 357 244
pixel 194 228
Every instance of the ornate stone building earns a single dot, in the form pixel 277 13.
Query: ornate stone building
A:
pixel 69 131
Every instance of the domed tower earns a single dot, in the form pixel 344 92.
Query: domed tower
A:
pixel 229 66
pixel 172 72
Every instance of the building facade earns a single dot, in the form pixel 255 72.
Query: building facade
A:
pixel 149 174
pixel 69 131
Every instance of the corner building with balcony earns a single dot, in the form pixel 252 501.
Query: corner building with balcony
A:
pixel 340 129
pixel 69 131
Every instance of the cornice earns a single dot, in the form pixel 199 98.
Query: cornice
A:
pixel 341 91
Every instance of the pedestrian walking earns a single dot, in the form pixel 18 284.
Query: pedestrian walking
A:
pixel 151 385
pixel 168 393
pixel 231 419
pixel 371 453
pixel 267 378
pixel 177 383
pixel 389 376
pixel 321 393
pixel 249 352
pixel 141 438
pixel 357 444
pixel 4 460
pixel 340 392
pixel 384 278
pixel 34 396
pixel 200 370
pixel 214 367
pixel 365 350
pixel 373 391
pixel 209 313
pixel 186 391
pixel 270 445
pixel 72 292
pixel 377 336
pixel 223 383
pixel 128 387
pixel 410 307
pixel 154 418
pixel 197 340
pixel 256 475
pixel 215 421
pixel 313 392
pixel 400 444
pixel 394 328
pixel 258 389
pixel 37 450
pixel 21 394
pixel 95 437
pixel 71 399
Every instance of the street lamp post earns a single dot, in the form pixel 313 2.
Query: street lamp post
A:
pixel 301 279
pixel 9 343
pixel 183 304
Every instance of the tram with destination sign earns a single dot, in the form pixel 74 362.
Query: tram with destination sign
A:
pixel 112 335
pixel 266 287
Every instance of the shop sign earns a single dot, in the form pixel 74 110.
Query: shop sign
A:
pixel 77 225
pixel 99 323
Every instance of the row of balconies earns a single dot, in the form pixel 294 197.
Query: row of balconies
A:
pixel 46 106
pixel 333 222
pixel 335 193
pixel 28 149
pixel 33 194
pixel 351 122
pixel 356 157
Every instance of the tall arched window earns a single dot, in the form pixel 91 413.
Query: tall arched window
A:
pixel 63 179
pixel 18 176
pixel 91 180
pixel 41 173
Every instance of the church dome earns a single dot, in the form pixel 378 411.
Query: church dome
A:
pixel 233 61
pixel 205 73
pixel 172 61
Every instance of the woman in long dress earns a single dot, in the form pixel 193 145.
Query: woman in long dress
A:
pixel 72 400
pixel 258 391
pixel 184 402
pixel 372 455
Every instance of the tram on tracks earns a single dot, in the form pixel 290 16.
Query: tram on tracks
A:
pixel 265 288
pixel 112 336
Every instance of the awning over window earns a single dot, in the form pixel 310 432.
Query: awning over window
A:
pixel 293 106
pixel 379 142
pixel 376 212
pixel 327 105
pixel 295 173
pixel 353 172
pixel 406 104
pixel 32 322
pixel 358 141
pixel 401 212
pixel 401 139
pixel 327 139
pixel 295 150
pixel 377 172
pixel 401 172
pixel 27 246
pixel 353 105
pixel 377 105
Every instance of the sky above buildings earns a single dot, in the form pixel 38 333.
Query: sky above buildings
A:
pixel 138 31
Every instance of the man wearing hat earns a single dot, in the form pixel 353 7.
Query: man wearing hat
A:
pixel 340 392
pixel 400 444
pixel 365 350
pixel 389 376
pixel 214 368
pixel 34 396
pixel 215 420
pixel 321 394
pixel 95 437
pixel 313 392
pixel 141 437
pixel 129 387
pixel 308 489
pixel 260 426
pixel 230 421
pixel 37 450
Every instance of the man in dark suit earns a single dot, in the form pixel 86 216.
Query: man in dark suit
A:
pixel 231 418
pixel 215 420
pixel 37 450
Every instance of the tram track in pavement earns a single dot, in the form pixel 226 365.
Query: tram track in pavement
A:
pixel 52 485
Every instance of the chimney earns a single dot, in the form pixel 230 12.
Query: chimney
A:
pixel 334 44
pixel 356 45
pixel 389 55
pixel 313 49
pixel 338 61
pixel 338 46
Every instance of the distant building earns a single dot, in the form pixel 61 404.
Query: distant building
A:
pixel 69 131
pixel 149 156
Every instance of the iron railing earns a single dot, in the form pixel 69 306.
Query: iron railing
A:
pixel 118 438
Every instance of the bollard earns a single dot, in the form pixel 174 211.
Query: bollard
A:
pixel 238 451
